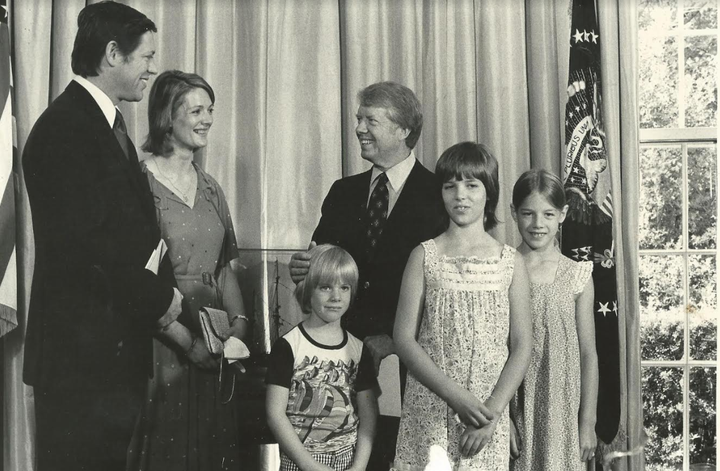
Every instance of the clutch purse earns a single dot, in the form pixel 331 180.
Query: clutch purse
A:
pixel 215 328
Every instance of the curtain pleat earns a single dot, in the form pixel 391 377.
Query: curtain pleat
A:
pixel 32 27
pixel 503 121
pixel 286 74
pixel 618 24
pixel 548 33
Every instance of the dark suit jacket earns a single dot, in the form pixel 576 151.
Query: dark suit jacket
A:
pixel 93 305
pixel 418 215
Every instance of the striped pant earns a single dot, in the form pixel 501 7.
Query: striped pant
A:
pixel 339 460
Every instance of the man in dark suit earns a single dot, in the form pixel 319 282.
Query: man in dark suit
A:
pixel 93 304
pixel 379 216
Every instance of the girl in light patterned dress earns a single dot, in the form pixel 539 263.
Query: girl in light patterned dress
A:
pixel 555 408
pixel 462 328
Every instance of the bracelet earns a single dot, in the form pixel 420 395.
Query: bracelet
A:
pixel 239 316
pixel 192 345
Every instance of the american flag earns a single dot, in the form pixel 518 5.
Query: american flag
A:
pixel 8 151
pixel 588 230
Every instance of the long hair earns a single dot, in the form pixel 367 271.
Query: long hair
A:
pixel 166 96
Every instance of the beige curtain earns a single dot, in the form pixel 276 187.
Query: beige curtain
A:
pixel 286 74
pixel 618 24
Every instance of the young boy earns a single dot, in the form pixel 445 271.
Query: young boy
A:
pixel 321 401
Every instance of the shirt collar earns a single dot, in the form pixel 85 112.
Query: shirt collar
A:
pixel 397 174
pixel 103 101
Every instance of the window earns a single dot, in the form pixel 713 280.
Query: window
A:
pixel 678 236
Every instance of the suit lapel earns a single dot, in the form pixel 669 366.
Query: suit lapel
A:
pixel 98 120
pixel 402 214
pixel 129 166
pixel 360 196
pixel 406 199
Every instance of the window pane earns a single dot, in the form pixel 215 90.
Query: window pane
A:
pixel 657 14
pixel 702 197
pixel 658 81
pixel 702 415
pixel 660 225
pixel 703 304
pixel 700 14
pixel 662 399
pixel 662 316
pixel 700 85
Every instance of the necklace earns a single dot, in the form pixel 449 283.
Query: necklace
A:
pixel 181 193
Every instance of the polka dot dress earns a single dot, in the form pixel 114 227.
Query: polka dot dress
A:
pixel 185 425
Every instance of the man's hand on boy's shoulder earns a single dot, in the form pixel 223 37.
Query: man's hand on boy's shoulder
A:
pixel 300 264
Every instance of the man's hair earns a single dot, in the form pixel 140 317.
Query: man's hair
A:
pixel 329 264
pixel 403 107
pixel 166 96
pixel 100 23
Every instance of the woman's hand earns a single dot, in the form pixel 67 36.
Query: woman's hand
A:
pixel 471 411
pixel 588 442
pixel 200 355
pixel 474 439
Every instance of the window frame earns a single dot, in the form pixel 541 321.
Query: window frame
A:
pixel 686 138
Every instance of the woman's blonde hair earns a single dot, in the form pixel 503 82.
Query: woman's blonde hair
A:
pixel 329 264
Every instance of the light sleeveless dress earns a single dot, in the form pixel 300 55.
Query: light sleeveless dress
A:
pixel 464 329
pixel 548 401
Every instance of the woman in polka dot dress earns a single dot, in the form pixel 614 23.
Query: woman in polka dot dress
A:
pixel 188 423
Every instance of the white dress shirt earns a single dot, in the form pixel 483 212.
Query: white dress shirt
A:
pixel 103 101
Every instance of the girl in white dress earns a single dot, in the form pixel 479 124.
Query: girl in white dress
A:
pixel 555 409
pixel 463 327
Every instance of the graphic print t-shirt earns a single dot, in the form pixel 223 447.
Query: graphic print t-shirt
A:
pixel 323 381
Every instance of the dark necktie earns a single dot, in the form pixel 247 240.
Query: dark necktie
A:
pixel 121 133
pixel 377 212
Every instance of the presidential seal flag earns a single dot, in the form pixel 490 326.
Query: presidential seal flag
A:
pixel 588 230
pixel 8 265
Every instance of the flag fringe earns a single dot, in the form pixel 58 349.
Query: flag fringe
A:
pixel 618 448
pixel 585 211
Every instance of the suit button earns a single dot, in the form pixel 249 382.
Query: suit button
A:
pixel 366 285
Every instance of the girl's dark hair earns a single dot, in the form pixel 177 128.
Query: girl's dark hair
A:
pixel 472 160
pixel 329 264
pixel 166 96
pixel 541 181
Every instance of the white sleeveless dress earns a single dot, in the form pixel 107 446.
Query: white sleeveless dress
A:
pixel 464 329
